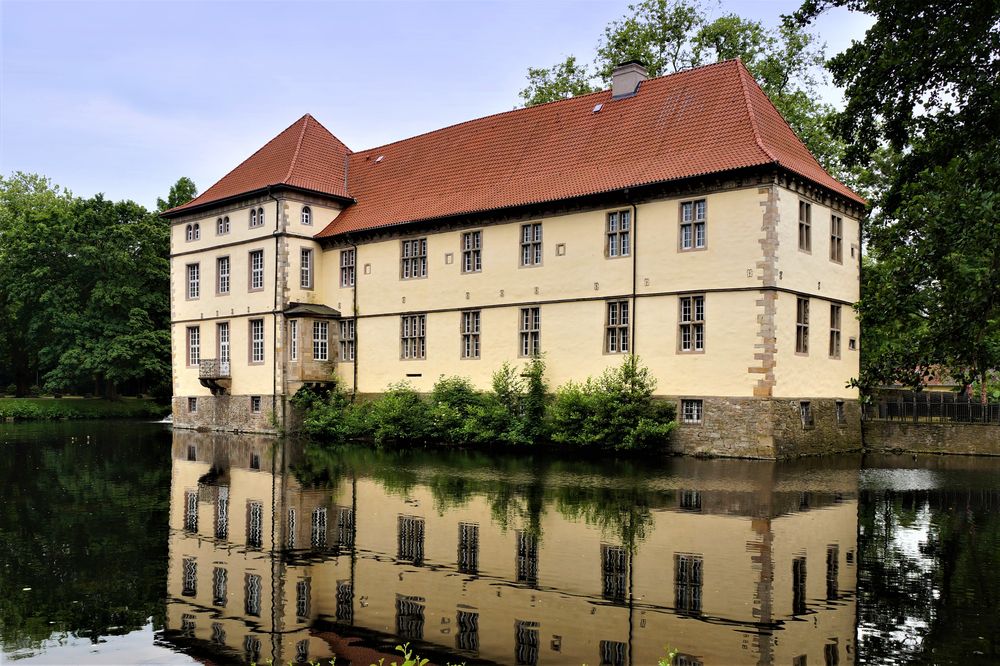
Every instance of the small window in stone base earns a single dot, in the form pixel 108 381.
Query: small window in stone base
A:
pixel 691 411
pixel 841 417
pixel 255 404
pixel 805 413
pixel 254 460
pixel 192 452
pixel 192 405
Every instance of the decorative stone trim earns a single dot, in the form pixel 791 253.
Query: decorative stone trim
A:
pixel 766 347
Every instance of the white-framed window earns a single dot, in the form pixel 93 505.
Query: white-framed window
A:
pixel 413 336
pixel 802 326
pixel 346 339
pixel 691 411
pixel 255 524
pixel 318 532
pixel 470 334
pixel 618 234
pixel 220 583
pixel 306 215
pixel 347 258
pixel 191 511
pixel 837 239
pixel 256 340
pixel 293 340
pixel 256 217
pixel 694 225
pixel 531 331
pixel 255 407
pixel 256 270
pixel 691 337
pixel 472 251
pixel 805 226
pixel 302 595
pixel 222 513
pixel 252 595
pixel 193 281
pixel 306 268
pixel 531 244
pixel 222 275
pixel 192 232
pixel 616 338
pixel 193 345
pixel 321 340
pixel 413 259
pixel 222 336
pixel 834 331
pixel 222 225
pixel 189 569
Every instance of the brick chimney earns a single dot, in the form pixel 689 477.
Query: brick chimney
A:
pixel 626 77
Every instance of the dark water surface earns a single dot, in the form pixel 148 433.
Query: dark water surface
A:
pixel 126 543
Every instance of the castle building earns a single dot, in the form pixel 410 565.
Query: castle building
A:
pixel 678 218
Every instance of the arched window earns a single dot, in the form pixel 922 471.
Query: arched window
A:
pixel 197 231
pixel 306 215
pixel 218 227
pixel 222 225
pixel 260 217
pixel 253 217
pixel 189 233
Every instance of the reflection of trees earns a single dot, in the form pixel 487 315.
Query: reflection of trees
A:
pixel 84 529
pixel 934 599
pixel 517 489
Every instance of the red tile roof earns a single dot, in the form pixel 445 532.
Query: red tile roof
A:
pixel 701 121
pixel 304 155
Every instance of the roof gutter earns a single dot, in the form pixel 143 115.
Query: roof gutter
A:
pixel 266 190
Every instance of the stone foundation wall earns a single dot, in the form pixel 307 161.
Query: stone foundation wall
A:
pixel 768 428
pixel 956 438
pixel 226 412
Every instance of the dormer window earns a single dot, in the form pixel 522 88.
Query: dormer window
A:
pixel 306 215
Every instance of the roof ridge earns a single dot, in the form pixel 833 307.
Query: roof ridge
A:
pixel 743 72
pixel 298 147
pixel 603 91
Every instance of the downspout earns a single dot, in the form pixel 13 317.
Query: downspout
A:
pixel 274 317
pixel 635 250
pixel 354 313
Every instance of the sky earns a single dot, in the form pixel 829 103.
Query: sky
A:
pixel 125 97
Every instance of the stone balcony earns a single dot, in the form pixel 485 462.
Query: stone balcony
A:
pixel 214 374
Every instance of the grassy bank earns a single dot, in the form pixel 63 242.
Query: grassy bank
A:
pixel 55 409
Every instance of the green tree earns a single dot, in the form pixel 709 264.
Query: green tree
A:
pixel 567 79
pixel 923 105
pixel 181 192
pixel 668 36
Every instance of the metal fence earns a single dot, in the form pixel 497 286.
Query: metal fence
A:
pixel 929 407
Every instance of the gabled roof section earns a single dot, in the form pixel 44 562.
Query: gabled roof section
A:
pixel 305 155
pixel 701 121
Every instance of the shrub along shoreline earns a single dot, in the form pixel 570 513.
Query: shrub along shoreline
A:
pixel 62 409
pixel 615 411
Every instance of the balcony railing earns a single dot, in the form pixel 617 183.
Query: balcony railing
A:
pixel 213 368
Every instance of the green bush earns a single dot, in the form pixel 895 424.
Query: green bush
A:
pixel 615 410
pixel 453 400
pixel 400 415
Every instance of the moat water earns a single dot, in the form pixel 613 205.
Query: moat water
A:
pixel 129 543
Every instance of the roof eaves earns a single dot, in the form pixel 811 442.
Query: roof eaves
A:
pixel 184 209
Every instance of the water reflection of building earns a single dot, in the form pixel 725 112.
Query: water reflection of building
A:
pixel 751 569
